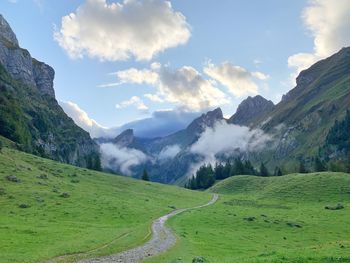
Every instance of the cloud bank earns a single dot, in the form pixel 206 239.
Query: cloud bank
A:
pixel 161 122
pixel 118 31
pixel 227 140
pixel 82 119
pixel 328 21
pixel 169 152
pixel 123 159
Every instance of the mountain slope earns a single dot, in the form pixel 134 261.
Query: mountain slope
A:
pixel 29 112
pixel 302 120
pixel 50 209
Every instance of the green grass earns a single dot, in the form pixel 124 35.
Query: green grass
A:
pixel 103 214
pixel 291 223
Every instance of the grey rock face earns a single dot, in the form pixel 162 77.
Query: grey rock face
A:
pixel 206 120
pixel 20 65
pixel 6 32
pixel 125 139
pixel 251 109
pixel 43 77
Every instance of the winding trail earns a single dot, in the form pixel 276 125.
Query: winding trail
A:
pixel 162 239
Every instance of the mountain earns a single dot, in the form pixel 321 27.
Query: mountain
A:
pixel 169 156
pixel 250 110
pixel 29 112
pixel 306 114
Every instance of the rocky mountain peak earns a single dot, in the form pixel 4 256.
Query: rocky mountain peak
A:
pixel 20 65
pixel 252 108
pixel 125 139
pixel 206 120
pixel 6 33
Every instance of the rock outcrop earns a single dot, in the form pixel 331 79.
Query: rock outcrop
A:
pixel 20 65
pixel 250 110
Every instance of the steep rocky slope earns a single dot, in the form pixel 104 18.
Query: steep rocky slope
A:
pixel 302 120
pixel 29 112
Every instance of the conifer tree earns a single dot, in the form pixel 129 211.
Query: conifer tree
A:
pixel 145 176
pixel 263 170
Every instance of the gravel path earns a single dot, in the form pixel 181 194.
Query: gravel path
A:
pixel 162 240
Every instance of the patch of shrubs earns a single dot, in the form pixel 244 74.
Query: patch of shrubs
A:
pixel 74 181
pixel 199 260
pixel 24 206
pixel 336 207
pixel 250 218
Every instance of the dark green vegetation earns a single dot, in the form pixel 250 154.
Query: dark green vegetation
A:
pixel 338 143
pixel 206 175
pixel 48 209
pixel 38 125
pixel 291 218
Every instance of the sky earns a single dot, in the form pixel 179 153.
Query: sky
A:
pixel 166 62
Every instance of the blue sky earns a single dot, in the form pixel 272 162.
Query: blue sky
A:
pixel 251 38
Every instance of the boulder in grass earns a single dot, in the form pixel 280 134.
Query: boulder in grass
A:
pixel 335 207
pixel 13 178
pixel 65 195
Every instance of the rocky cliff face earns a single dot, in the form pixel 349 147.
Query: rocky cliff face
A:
pixel 250 110
pixel 20 65
pixel 125 139
pixel 29 112
pixel 206 120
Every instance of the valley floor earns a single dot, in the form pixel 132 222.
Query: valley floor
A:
pixel 279 219
pixel 51 210
pixel 54 211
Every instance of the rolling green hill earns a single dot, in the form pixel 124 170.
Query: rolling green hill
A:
pixel 275 219
pixel 48 209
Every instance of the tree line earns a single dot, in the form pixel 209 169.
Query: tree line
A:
pixel 206 175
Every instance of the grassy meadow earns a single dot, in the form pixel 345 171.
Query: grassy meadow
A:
pixel 274 219
pixel 49 210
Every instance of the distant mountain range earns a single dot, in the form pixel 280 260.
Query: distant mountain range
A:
pixel 298 126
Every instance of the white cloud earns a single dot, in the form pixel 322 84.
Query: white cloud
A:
pixel 227 138
pixel 329 24
pixel 136 76
pixel 122 159
pixel 169 152
pixel 118 31
pixel 133 101
pixel 185 86
pixel 153 97
pixel 238 80
pixel 81 118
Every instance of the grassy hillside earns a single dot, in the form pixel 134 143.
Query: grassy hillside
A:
pixel 275 219
pixel 48 209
